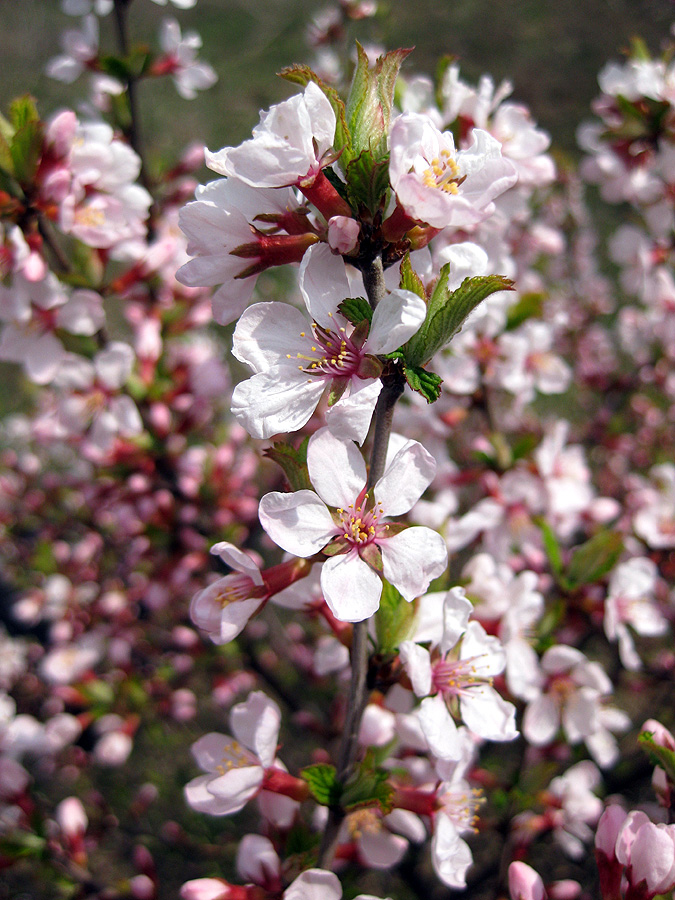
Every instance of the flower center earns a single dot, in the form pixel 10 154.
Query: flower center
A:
pixel 456 677
pixel 361 526
pixel 89 216
pixel 461 805
pixel 443 173
pixel 235 588
pixel 236 757
pixel 363 820
pixel 333 354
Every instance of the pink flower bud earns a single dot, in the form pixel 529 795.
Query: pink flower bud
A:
pixel 627 834
pixel 660 734
pixel 525 883
pixel 652 858
pixel 205 889
pixel 608 830
pixel 71 817
pixel 343 234
pixel 564 890
pixel 142 888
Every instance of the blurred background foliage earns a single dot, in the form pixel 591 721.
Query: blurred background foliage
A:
pixel 551 51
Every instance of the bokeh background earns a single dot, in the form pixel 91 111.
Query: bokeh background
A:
pixel 551 51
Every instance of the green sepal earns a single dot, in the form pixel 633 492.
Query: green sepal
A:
pixel 293 461
pixel 393 620
pixel 323 784
pixel 428 384
pixel 529 306
pixel 367 181
pixel 372 555
pixel 410 280
pixel 368 787
pixel 660 755
pixel 447 311
pixel 370 102
pixel 338 545
pixel 337 388
pixel 370 367
pixel 594 559
pixel 356 310
pixel 301 74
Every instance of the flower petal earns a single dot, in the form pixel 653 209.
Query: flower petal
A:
pixel 412 559
pixel 299 522
pixel 336 468
pixel 350 587
pixel 396 318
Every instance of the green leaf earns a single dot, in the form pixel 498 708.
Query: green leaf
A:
pixel 116 67
pixel 356 310
pixel 428 384
pixel 26 150
pixel 528 307
pixel 6 161
pixel 593 560
pixel 551 545
pixel 6 129
pixel 301 74
pixel 367 181
pixel 25 144
pixel 293 462
pixel 337 182
pixel 368 787
pixel 447 311
pixel 22 112
pixel 661 756
pixel 410 280
pixel 370 101
pixel 323 784
pixel 393 620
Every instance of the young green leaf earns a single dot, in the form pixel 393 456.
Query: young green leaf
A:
pixel 393 620
pixel 323 784
pixel 447 311
pixel 368 788
pixel 428 384
pixel 661 756
pixel 410 280
pixel 593 560
pixel 356 310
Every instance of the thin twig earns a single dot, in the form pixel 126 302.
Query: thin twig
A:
pixel 132 132
pixel 373 278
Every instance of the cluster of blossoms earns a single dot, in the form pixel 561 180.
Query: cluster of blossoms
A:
pixel 448 597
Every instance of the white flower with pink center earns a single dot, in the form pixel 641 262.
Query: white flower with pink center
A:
pixel 361 545
pixel 295 360
pixel 630 601
pixel 237 767
pixel 288 145
pixel 437 184
pixel 465 677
